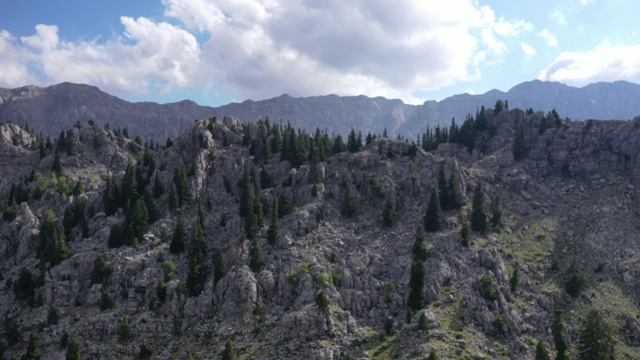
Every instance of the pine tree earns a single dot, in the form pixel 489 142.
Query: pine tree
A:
pixel 73 351
pixel 152 211
pixel 465 234
pixel 419 248
pixel 177 242
pixel 256 258
pixel 33 348
pixel 56 168
pixel 182 185
pixel 515 278
pixel 559 332
pixel 417 294
pixel 158 188
pixel 257 207
pixel 423 324
pixel 496 217
pixel 174 198
pixel 520 146
pixel 218 266
pixel 353 145
pixel 541 351
pixel 110 197
pixel 596 341
pixel 576 281
pixel 433 355
pixel 229 353
pixel 433 216
pixel 478 215
pixel 348 206
pixel 322 301
pixel 140 220
pixel 197 274
pixel 389 216
pixel 273 234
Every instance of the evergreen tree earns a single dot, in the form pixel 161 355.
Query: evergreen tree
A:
pixel 73 351
pixel 338 145
pixel 158 188
pixel 322 301
pixel 433 216
pixel 257 207
pixel 56 167
pixel 229 353
pixel 110 197
pixel 174 198
pixel 559 332
pixel 465 234
pixel 443 191
pixel 246 196
pixel 348 206
pixel 520 146
pixel 140 220
pixel 177 242
pixel 218 266
pixel 423 324
pixel 152 211
pixel 256 258
pixel 496 217
pixel 419 249
pixel 197 274
pixel 182 185
pixel 541 351
pixel 515 278
pixel 389 216
pixel 417 294
pixel 478 215
pixel 353 145
pixel 115 236
pixel 33 348
pixel 273 234
pixel 433 355
pixel 596 341
pixel 577 281
pixel 129 188
pixel 52 247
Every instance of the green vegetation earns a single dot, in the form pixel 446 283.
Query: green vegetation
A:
pixel 433 216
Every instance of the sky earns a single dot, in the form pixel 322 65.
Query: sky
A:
pixel 219 51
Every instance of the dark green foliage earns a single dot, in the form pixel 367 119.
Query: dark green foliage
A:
pixel 161 291
pixel 559 332
pixel 596 341
pixel 520 145
pixel 174 198
pixel 101 270
pixel 24 288
pixel 265 179
pixel 115 237
pixel 478 215
pixel 500 105
pixel 33 348
pixel 541 351
pixel 246 196
pixel 178 241
pixel 73 215
pixel 348 203
pixel 322 301
pixel 52 316
pixel 433 355
pixel 515 278
pixel 229 353
pixel 78 188
pixel 11 333
pixel 139 221
pixel 256 258
pixel 338 145
pixel 128 188
pixel 354 143
pixel 388 326
pixel 417 295
pixel 258 211
pixel 499 324
pixel 423 325
pixel 73 351
pixel 496 217
pixel 106 302
pixel 182 185
pixel 433 216
pixel 124 330
pixel 64 340
pixel 576 280
pixel 152 211
pixel 145 352
pixel 52 248
pixel 284 206
pixel 197 275
pixel 110 197
pixel 273 234
pixel 465 234
pixel 419 248
pixel 56 167
pixel 158 188
pixel 443 193
pixel 389 216
pixel 489 288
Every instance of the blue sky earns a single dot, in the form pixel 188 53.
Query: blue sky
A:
pixel 215 52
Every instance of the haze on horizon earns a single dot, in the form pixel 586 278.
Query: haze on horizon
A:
pixel 216 52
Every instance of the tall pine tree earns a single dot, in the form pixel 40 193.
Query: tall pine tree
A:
pixel 433 216
pixel 478 214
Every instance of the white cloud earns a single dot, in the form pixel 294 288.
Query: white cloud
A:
pixel 549 37
pixel 607 62
pixel 586 2
pixel 528 50
pixel 261 48
pixel 559 16
pixel 14 63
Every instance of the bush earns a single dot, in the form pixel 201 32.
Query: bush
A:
pixel 124 330
pixel 499 324
pixel 101 270
pixel 489 288
pixel 106 302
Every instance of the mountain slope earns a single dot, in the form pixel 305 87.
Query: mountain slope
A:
pixel 59 106
pixel 572 197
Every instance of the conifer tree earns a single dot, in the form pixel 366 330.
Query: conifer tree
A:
pixel 56 167
pixel 174 198
pixel 433 216
pixel 182 185
pixel 129 188
pixel 177 242
pixel 520 146
pixel 152 211
pixel 478 215
pixel 338 145
pixel 246 196
pixel 541 351
pixel 423 324
pixel 197 274
pixel 73 351
pixel 515 278
pixel 115 236
pixel 140 220
pixel 596 341
pixel 559 332
pixel 353 145
pixel 33 348
pixel 419 249
pixel 433 355
pixel 496 217
pixel 257 207
pixel 465 234
pixel 322 301
pixel 158 188
pixel 256 258
pixel 455 199
pixel 229 353
pixel 273 234
pixel 110 197
pixel 389 216
pixel 576 281
pixel 348 206
pixel 417 294
pixel 218 266
pixel 443 193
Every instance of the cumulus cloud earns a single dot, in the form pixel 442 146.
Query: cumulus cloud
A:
pixel 607 62
pixel 14 62
pixel 551 39
pixel 528 50
pixel 261 48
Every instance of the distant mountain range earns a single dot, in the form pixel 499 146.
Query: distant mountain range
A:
pixel 50 109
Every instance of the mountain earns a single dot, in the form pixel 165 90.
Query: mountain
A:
pixel 112 250
pixel 59 106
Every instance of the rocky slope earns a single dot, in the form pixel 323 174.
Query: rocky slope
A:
pixel 48 109
pixel 574 197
